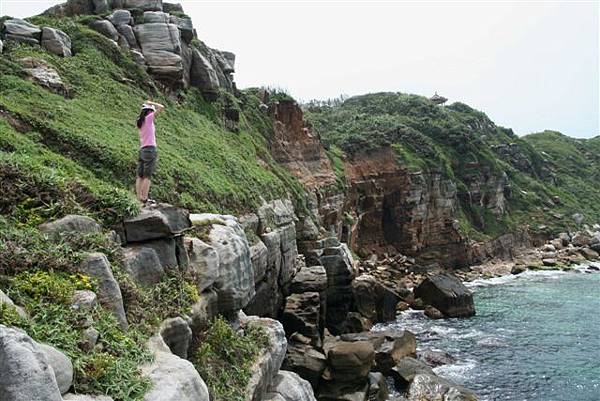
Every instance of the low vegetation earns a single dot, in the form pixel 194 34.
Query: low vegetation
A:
pixel 225 358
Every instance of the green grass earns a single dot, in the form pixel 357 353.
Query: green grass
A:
pixel 225 357
pixel 92 139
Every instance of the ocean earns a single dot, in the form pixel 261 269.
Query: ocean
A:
pixel 536 337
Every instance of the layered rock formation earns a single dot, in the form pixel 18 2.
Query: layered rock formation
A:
pixel 159 37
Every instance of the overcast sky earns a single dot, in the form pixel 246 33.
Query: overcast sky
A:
pixel 528 65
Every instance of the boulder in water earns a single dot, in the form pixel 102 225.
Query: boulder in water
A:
pixel 406 370
pixel 448 294
pixel 430 387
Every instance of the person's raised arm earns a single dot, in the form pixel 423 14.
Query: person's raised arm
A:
pixel 159 107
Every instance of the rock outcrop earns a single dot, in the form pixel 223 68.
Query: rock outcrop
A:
pixel 26 372
pixel 173 378
pixel 447 294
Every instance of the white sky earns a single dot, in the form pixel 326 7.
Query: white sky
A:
pixel 529 65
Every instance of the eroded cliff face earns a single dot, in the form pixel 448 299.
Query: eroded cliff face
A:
pixel 297 148
pixel 396 210
pixel 385 207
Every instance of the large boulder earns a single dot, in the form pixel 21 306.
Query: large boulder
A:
pixel 143 265
pixel 305 360
pixel 155 16
pixel 166 250
pixel 447 294
pixel 96 266
pixel 70 224
pixel 302 314
pixel 126 32
pixel 105 28
pixel 177 334
pixel 172 378
pixel 235 284
pixel 288 386
pixel 21 31
pixel 309 279
pixel 373 300
pixel 431 387
pixel 61 366
pixel 203 262
pixel 343 391
pixel 203 75
pixel 120 17
pixel 56 42
pixel 390 346
pixel 186 27
pixel 406 370
pixel 39 72
pixel 158 221
pixel 269 362
pixel 146 5
pixel 349 361
pixel 26 373
pixel 162 49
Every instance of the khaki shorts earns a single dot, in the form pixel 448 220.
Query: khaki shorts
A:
pixel 147 162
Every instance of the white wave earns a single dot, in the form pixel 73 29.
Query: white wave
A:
pixel 456 372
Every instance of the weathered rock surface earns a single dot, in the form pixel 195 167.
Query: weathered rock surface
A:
pixel 235 284
pixel 349 361
pixel 373 300
pixel 447 294
pixel 84 300
pixel 166 250
pixel 305 360
pixel 302 314
pixel 105 28
pixel 173 378
pixel 56 42
pixel 406 370
pixel 339 266
pixel 61 366
pixel 309 279
pixel 288 386
pixel 26 373
pixel 159 221
pixel 269 362
pixel 203 262
pixel 431 387
pixel 177 334
pixel 96 265
pixel 435 358
pixel 70 224
pixel 378 390
pixel 42 74
pixel 202 74
pixel 162 49
pixel 390 346
pixel 120 17
pixel 143 264
pixel 21 31
pixel 146 5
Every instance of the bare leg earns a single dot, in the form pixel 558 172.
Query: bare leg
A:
pixel 138 188
pixel 145 187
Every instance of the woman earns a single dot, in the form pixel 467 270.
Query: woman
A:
pixel 148 154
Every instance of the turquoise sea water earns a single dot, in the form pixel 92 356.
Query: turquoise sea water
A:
pixel 536 337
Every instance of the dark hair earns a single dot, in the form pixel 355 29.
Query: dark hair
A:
pixel 143 114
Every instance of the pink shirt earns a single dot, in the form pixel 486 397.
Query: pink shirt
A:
pixel 148 131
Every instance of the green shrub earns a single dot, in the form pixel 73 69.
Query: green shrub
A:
pixel 225 359
pixel 48 286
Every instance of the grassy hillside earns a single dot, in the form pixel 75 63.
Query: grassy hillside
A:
pixel 90 140
pixel 550 175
